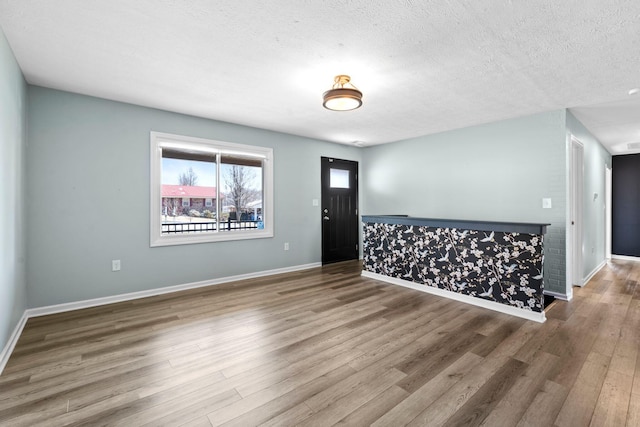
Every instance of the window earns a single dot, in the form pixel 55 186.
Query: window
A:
pixel 208 191
pixel 338 178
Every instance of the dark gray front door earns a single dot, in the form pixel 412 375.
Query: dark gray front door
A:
pixel 339 210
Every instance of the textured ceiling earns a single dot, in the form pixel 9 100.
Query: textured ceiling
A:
pixel 423 66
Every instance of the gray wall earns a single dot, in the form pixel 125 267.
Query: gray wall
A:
pixel 498 171
pixel 596 158
pixel 88 187
pixel 13 95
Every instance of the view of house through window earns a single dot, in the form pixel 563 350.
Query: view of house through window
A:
pixel 210 188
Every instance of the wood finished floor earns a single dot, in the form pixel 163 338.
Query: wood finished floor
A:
pixel 325 347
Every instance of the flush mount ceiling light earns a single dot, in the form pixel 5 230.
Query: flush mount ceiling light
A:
pixel 634 91
pixel 343 96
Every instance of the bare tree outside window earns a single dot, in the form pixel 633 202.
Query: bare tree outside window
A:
pixel 240 182
pixel 188 178
pixel 170 206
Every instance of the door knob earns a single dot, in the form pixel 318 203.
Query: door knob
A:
pixel 326 218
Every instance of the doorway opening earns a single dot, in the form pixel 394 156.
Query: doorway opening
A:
pixel 576 178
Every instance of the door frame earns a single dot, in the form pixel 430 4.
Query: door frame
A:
pixel 575 215
pixel 608 188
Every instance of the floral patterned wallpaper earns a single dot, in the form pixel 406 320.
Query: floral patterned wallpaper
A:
pixel 497 266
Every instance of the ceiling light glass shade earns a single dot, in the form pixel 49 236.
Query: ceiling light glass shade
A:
pixel 341 98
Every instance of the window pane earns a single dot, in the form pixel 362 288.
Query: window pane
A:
pixel 209 191
pixel 188 182
pixel 338 178
pixel 242 193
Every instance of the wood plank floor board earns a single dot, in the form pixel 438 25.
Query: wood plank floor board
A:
pixel 511 408
pixel 534 345
pixel 264 393
pixel 633 413
pixel 361 380
pixel 265 343
pixel 326 346
pixel 143 386
pixel 198 422
pixel 461 335
pixel 399 349
pixel 259 362
pixel 431 363
pixel 580 403
pixel 299 371
pixel 573 342
pixel 272 343
pixel 24 407
pixel 615 397
pixel 448 404
pixel 563 311
pixel 333 407
pixel 613 402
pixel 32 397
pixel 82 372
pixel 185 408
pixel 412 325
pixel 513 343
pixel 289 408
pixel 290 417
pixel 409 408
pixel 117 408
pixel 336 336
pixel 45 369
pixel 480 405
pixel 544 408
pixel 57 355
pixel 375 408
pixel 495 336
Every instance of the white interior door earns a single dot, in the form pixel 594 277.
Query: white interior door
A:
pixel 576 177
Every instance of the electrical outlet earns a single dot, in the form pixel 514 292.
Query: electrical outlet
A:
pixel 115 265
pixel 286 246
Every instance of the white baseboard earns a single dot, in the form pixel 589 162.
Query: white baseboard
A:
pixel 13 339
pixel 594 272
pixel 77 305
pixel 491 305
pixel 59 308
pixel 625 257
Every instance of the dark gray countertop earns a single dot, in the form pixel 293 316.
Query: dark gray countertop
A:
pixel 505 227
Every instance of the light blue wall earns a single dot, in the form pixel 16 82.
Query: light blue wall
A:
pixel 88 186
pixel 596 158
pixel 13 96
pixel 495 172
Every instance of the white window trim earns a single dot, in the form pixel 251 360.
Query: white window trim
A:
pixel 159 140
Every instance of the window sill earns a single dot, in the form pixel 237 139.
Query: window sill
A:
pixel 172 240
